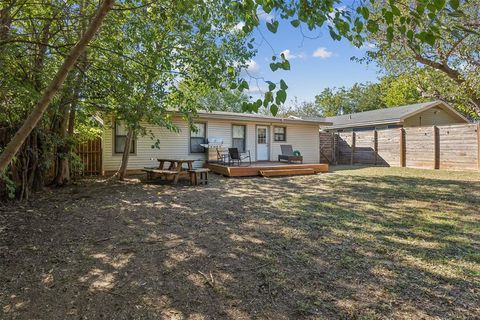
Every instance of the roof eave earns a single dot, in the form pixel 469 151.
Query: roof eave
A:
pixel 236 117
pixel 363 124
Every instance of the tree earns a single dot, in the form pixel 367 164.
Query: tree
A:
pixel 400 90
pixel 443 37
pixel 223 100
pixel 175 61
pixel 34 117
pixel 301 109
pixel 358 98
pixel 425 84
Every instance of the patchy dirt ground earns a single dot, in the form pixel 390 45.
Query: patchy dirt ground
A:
pixel 359 243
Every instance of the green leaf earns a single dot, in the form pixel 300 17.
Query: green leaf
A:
pixel 372 26
pixel 257 104
pixel 358 25
pixel 430 38
pixel 454 4
pixel 285 65
pixel 268 98
pixel 281 96
pixel 283 85
pixel 231 71
pixel 396 11
pixel 333 34
pixel 272 26
pixel 243 85
pixel 295 23
pixel 364 12
pixel 420 9
pixel 388 15
pixel 426 37
pixel 274 66
pixel 440 4
pixel 390 34
pixel 250 46
pixel 410 35
pixel 271 86
pixel 274 109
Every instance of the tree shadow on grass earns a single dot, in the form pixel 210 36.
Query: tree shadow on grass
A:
pixel 306 247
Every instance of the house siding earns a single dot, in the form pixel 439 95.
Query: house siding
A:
pixel 302 138
pixel 177 145
pixel 171 144
pixel 435 116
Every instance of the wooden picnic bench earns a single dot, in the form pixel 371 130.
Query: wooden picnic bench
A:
pixel 175 169
pixel 199 176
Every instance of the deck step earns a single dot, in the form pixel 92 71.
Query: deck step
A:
pixel 286 172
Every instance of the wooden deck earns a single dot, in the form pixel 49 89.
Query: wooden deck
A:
pixel 255 169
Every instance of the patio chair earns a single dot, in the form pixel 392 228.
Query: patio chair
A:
pixel 234 155
pixel 222 157
pixel 289 155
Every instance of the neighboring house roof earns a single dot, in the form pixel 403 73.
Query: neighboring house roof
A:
pixel 386 116
pixel 260 118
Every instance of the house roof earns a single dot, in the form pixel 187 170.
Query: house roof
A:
pixel 260 118
pixel 386 115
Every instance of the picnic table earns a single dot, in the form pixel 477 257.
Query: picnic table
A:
pixel 174 168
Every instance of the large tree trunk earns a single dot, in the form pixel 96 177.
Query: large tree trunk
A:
pixel 62 175
pixel 37 113
pixel 126 153
pixel 63 171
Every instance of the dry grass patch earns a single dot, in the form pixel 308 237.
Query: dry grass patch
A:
pixel 358 243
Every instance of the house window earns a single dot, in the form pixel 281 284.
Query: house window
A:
pixel 279 134
pixel 238 137
pixel 121 138
pixel 198 137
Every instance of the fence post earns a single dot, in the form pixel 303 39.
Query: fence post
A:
pixel 402 148
pixel 353 148
pixel 478 146
pixel 436 148
pixel 332 144
pixel 335 148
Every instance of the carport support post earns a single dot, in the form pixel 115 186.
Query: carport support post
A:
pixel 402 148
pixel 375 145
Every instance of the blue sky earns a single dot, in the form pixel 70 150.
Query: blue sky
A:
pixel 315 63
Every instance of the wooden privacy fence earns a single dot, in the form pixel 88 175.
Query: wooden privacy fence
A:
pixel 443 147
pixel 90 154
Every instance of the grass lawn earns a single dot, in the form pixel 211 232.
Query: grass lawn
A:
pixel 358 243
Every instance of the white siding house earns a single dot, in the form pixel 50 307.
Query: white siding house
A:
pixel 301 134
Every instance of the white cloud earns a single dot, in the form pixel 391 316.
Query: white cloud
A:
pixel 368 46
pixel 256 90
pixel 239 26
pixel 290 56
pixel 253 67
pixel 262 15
pixel 322 53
